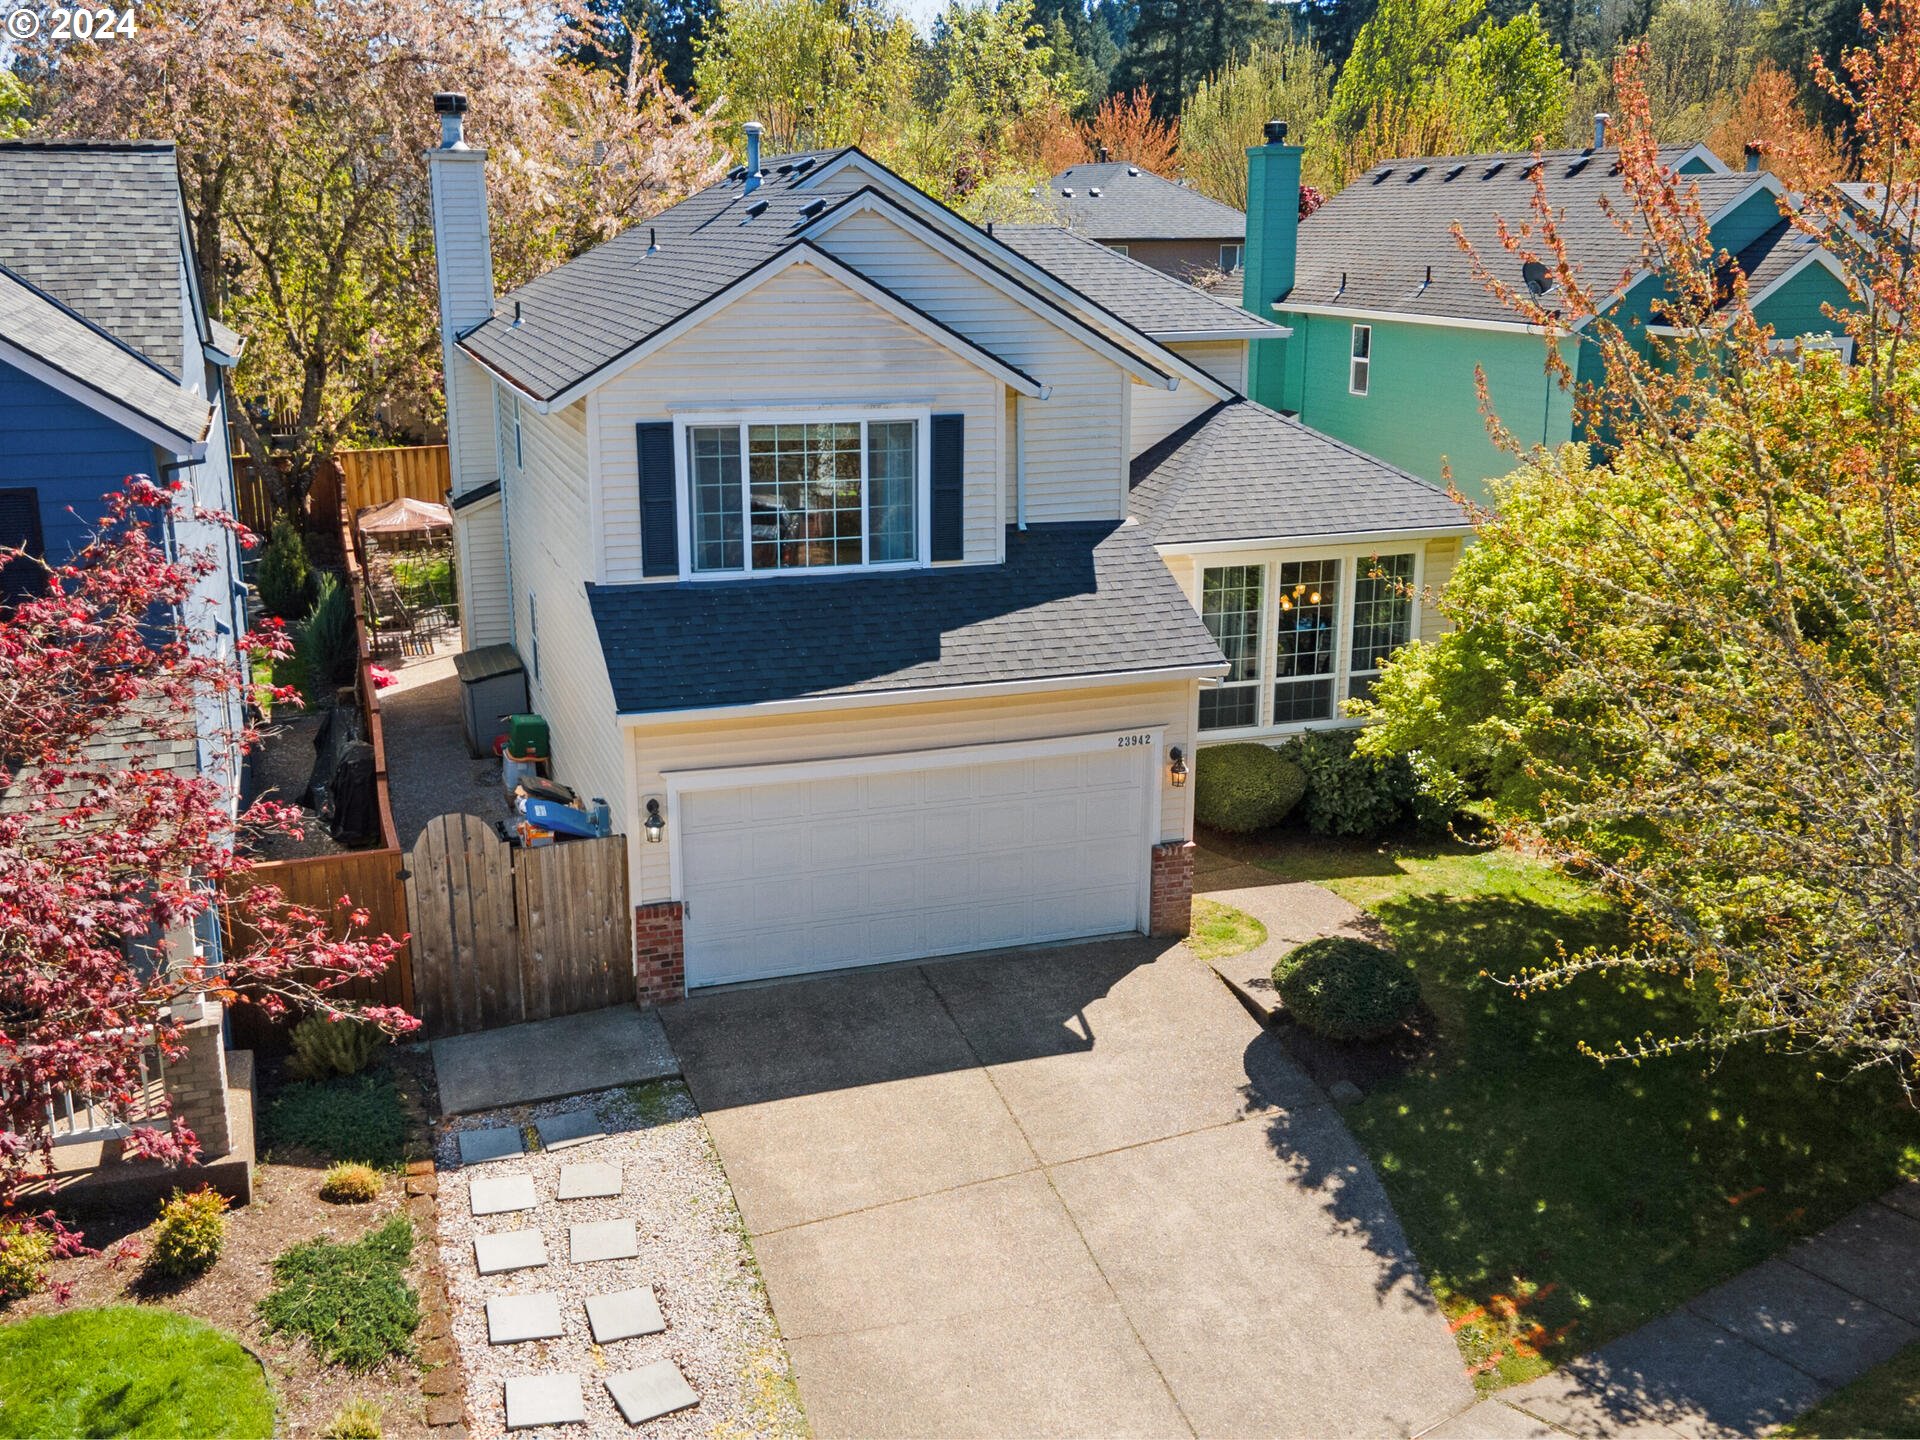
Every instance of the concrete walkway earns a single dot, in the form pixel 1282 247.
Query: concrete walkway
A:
pixel 1743 1358
pixel 429 771
pixel 1073 1191
pixel 551 1059
pixel 1294 912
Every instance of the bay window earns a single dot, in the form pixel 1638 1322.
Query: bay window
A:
pixel 1333 620
pixel 804 494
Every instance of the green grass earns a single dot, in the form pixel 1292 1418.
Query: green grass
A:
pixel 1220 930
pixel 352 1302
pixel 356 1117
pixel 1555 1203
pixel 1883 1404
pixel 128 1370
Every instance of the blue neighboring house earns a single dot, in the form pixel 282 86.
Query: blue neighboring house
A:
pixel 110 366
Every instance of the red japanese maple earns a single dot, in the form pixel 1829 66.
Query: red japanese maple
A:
pixel 105 846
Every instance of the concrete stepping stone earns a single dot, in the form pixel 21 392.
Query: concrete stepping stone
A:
pixel 623 1315
pixel 596 1180
pixel 502 1194
pixel 536 1400
pixel 479 1146
pixel 514 1318
pixel 650 1392
pixel 602 1240
pixel 515 1250
pixel 576 1127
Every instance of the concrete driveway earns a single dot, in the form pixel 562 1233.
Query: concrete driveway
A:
pixel 1074 1191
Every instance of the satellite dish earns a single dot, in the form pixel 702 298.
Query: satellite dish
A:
pixel 1535 274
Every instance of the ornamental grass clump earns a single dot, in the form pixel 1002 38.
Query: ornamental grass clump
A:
pixel 351 1183
pixel 1346 989
pixel 327 1045
pixel 190 1234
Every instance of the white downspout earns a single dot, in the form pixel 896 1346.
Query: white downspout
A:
pixel 1019 460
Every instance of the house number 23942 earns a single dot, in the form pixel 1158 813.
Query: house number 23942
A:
pixel 1127 741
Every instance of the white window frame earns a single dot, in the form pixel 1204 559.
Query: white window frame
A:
pixel 1239 260
pixel 1797 347
pixel 1355 562
pixel 1359 367
pixel 519 453
pixel 1117 249
pixel 922 415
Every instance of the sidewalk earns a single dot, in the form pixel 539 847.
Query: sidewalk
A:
pixel 1742 1358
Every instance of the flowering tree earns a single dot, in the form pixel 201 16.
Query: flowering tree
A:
pixel 1685 660
pixel 1127 129
pixel 105 851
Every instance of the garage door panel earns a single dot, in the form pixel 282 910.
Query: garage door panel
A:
pixel 863 869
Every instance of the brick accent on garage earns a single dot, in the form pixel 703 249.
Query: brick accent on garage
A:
pixel 1171 910
pixel 659 952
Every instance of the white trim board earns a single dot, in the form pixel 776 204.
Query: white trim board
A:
pixel 937 694
pixel 186 447
pixel 1311 541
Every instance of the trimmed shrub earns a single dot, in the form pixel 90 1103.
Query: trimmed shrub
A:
pixel 358 1419
pixel 351 1183
pixel 1346 989
pixel 327 642
pixel 24 1254
pixel 284 573
pixel 1349 793
pixel 190 1234
pixel 355 1118
pixel 352 1302
pixel 1243 788
pixel 324 1047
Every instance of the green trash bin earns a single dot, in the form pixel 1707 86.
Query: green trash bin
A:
pixel 527 737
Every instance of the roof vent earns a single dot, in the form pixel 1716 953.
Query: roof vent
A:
pixel 1415 173
pixel 1385 171
pixel 812 208
pixel 755 210
pixel 738 172
pixel 753 130
pixel 1105 155
pixel 1577 166
pixel 1534 169
pixel 1494 169
pixel 1094 191
pixel 516 314
pixel 653 241
pixel 805 163
pixel 1067 192
pixel 1454 173
pixel 1133 170
pixel 1535 274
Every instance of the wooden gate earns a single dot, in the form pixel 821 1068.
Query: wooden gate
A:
pixel 503 935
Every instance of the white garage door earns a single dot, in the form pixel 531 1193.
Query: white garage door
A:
pixel 932 855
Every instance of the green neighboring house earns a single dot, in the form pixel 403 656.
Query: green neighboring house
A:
pixel 1389 322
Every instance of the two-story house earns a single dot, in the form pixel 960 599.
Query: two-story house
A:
pixel 110 366
pixel 1149 218
pixel 1389 320
pixel 883 572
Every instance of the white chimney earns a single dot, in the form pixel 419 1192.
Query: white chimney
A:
pixel 753 129
pixel 1600 129
pixel 463 260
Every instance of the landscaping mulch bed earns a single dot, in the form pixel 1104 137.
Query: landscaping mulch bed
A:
pixel 279 769
pixel 286 1210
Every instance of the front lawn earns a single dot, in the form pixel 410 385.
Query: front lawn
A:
pixel 1220 930
pixel 1883 1404
pixel 1553 1203
pixel 128 1370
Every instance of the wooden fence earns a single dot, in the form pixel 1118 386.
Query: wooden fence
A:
pixel 375 477
pixel 504 935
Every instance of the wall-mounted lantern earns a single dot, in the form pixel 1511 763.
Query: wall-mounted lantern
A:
pixel 1177 769
pixel 655 824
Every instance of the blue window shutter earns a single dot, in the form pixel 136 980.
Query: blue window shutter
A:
pixel 659 508
pixel 949 494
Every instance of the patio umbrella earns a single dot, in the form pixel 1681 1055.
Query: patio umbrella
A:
pixel 405 516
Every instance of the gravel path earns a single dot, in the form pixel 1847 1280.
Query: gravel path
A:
pixel 693 1251
pixel 429 771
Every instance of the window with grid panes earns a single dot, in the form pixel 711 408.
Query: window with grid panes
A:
pixel 1306 634
pixel 1230 606
pixel 1382 617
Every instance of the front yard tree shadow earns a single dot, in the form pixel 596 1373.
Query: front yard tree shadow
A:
pixel 1556 1203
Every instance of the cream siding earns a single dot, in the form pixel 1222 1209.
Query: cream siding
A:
pixel 880 730
pixel 1156 414
pixel 801 339
pixel 550 554
pixel 1224 360
pixel 1074 437
pixel 1442 556
pixel 481 545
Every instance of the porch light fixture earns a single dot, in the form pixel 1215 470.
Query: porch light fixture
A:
pixel 1177 770
pixel 655 824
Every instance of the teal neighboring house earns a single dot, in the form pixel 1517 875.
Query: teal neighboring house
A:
pixel 1389 322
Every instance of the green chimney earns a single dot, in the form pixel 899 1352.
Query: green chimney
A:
pixel 1273 224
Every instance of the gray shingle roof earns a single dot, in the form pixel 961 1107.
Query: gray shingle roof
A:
pixel 1071 600
pixel 1123 202
pixel 1770 255
pixel 1243 472
pixel 86 354
pixel 97 226
pixel 590 311
pixel 1152 302
pixel 1368 248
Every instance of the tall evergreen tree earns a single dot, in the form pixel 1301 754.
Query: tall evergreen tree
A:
pixel 671 29
pixel 1175 44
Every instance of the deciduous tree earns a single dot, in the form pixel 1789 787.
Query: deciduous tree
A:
pixel 1285 78
pixel 1126 127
